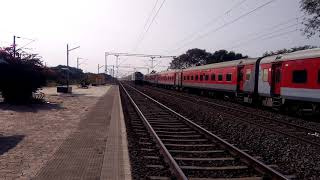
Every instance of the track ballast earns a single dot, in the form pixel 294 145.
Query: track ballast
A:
pixel 191 151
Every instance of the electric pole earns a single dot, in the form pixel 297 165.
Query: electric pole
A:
pixel 99 67
pixel 68 50
pixel 117 66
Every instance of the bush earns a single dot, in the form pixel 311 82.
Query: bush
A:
pixel 20 77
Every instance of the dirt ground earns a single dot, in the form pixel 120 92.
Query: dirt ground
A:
pixel 29 135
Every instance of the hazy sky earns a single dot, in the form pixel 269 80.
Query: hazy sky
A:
pixel 115 25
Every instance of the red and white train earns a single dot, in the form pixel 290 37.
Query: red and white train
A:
pixel 275 81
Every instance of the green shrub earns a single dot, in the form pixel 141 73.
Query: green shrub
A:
pixel 20 77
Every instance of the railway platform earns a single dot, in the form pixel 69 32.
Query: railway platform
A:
pixel 97 149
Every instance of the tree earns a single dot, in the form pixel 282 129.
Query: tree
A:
pixel 191 58
pixel 20 76
pixel 196 57
pixel 224 55
pixel 59 74
pixel 282 51
pixel 312 22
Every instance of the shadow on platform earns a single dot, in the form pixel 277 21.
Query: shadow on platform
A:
pixel 35 107
pixel 9 142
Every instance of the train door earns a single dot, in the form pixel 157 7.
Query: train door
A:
pixel 240 77
pixel 178 81
pixel 276 79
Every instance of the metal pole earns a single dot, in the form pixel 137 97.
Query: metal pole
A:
pixel 77 62
pixel 113 71
pixel 113 75
pixel 117 66
pixel 106 62
pixel 67 66
pixel 98 68
pixel 152 63
pixel 14 46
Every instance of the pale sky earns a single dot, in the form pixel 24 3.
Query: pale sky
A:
pixel 115 25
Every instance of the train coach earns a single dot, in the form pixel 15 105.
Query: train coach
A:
pixel 288 80
pixel 136 77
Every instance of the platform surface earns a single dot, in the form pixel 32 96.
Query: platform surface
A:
pixel 97 149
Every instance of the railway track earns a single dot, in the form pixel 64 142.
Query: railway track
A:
pixel 301 133
pixel 191 151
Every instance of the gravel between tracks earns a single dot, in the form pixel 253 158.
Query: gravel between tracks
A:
pixel 291 156
pixel 312 122
pixel 138 163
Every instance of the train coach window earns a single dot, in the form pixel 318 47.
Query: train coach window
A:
pixel 191 77
pixel 248 74
pixel 196 78
pixel 188 77
pixel 206 77
pixel 265 76
pixel 213 77
pixel 299 76
pixel 184 77
pixel 228 77
pixel 220 77
pixel 319 76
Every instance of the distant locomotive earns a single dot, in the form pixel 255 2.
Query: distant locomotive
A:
pixel 287 80
pixel 136 77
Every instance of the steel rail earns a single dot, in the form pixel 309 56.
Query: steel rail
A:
pixel 258 165
pixel 258 115
pixel 257 124
pixel 163 150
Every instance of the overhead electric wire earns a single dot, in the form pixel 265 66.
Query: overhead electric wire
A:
pixel 280 34
pixel 224 25
pixel 154 7
pixel 268 28
pixel 263 35
pixel 209 23
pixel 147 21
pixel 147 30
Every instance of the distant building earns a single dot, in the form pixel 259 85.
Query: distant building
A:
pixel 96 79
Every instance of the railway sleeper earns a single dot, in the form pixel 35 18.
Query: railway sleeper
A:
pixel 158 178
pixel 175 132
pixel 181 136
pixel 168 126
pixel 186 140
pixel 220 172
pixel 209 163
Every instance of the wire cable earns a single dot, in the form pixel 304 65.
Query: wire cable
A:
pixel 224 25
pixel 147 21
pixel 212 21
pixel 288 21
pixel 153 19
pixel 263 35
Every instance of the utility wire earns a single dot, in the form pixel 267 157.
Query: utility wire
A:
pixel 147 21
pixel 263 35
pixel 280 34
pixel 145 31
pixel 288 21
pixel 210 22
pixel 154 17
pixel 154 7
pixel 224 25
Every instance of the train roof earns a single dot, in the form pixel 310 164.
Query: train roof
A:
pixel 164 72
pixel 214 65
pixel 224 64
pixel 303 54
